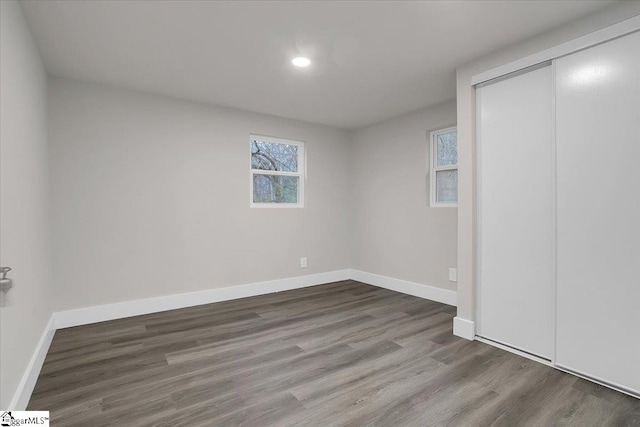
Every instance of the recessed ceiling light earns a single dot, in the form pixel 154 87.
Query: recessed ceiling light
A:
pixel 301 61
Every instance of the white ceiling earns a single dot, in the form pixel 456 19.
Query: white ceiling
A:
pixel 371 60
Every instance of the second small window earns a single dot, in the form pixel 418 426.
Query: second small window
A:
pixel 443 156
pixel 277 172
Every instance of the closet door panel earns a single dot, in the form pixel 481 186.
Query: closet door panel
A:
pixel 598 217
pixel 516 211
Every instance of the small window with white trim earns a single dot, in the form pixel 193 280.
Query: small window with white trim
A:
pixel 444 167
pixel 277 172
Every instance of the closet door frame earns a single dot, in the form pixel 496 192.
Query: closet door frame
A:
pixel 611 32
pixel 603 35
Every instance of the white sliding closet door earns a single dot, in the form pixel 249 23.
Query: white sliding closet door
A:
pixel 516 258
pixel 598 158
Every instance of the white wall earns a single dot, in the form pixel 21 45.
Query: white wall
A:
pixel 151 198
pixel 395 233
pixel 24 192
pixel 466 136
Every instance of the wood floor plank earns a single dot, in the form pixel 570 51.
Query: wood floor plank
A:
pixel 343 354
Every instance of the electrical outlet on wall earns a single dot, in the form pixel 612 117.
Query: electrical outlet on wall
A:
pixel 303 262
pixel 453 274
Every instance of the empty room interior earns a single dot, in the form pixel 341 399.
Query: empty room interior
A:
pixel 319 213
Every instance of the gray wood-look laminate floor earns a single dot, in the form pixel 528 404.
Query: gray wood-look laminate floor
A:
pixel 338 354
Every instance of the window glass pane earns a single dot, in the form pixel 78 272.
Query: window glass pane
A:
pixel 273 156
pixel 447 186
pixel 447 148
pixel 275 189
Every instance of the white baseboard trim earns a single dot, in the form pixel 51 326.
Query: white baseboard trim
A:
pixel 101 313
pixel 30 377
pixel 416 289
pixel 464 328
